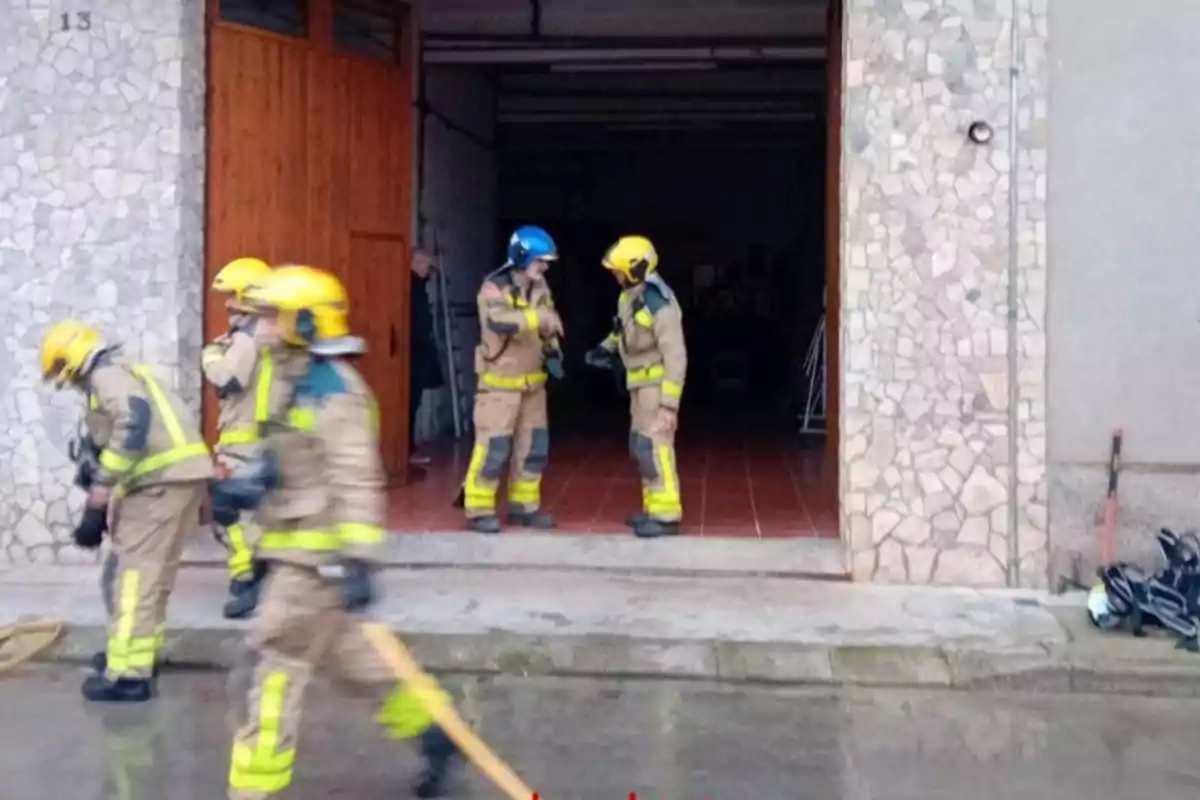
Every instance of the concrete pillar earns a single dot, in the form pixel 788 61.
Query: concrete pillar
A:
pixel 101 217
pixel 925 262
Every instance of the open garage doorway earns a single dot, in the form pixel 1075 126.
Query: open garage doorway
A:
pixel 708 132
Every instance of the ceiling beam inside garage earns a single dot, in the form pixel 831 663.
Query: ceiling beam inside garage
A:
pixel 673 19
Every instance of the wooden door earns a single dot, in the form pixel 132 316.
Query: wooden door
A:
pixel 310 162
pixel 833 226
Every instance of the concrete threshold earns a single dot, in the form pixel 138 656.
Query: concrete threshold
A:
pixel 765 630
pixel 617 552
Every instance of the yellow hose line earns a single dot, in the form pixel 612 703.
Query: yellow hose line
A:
pixel 44 633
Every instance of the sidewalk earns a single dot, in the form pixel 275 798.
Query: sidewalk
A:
pixel 733 629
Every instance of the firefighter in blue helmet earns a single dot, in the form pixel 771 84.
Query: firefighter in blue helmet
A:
pixel 520 334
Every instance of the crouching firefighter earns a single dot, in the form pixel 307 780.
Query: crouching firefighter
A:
pixel 321 504
pixel 648 337
pixel 151 473
pixel 241 373
pixel 520 343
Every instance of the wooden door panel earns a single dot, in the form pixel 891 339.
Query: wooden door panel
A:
pixel 310 162
pixel 378 287
pixel 379 149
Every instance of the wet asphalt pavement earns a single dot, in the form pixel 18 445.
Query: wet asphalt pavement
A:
pixel 598 740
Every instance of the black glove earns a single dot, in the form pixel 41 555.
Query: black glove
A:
pixel 90 531
pixel 355 578
pixel 599 358
pixel 554 366
pixel 85 475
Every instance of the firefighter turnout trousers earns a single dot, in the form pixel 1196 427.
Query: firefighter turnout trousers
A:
pixel 511 428
pixel 149 528
pixel 302 628
pixel 654 453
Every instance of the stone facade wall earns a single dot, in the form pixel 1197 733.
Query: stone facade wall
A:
pixel 101 217
pixel 925 347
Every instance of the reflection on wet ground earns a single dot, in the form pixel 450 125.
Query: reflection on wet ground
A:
pixel 599 740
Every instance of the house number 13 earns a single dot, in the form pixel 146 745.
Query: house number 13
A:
pixel 82 22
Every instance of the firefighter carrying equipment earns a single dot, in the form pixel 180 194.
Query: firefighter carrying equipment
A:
pixel 153 456
pixel 648 337
pixel 518 346
pixel 323 531
pixel 243 375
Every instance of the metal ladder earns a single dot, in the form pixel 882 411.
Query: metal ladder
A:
pixel 460 397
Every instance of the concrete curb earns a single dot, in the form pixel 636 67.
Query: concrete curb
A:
pixel 1040 669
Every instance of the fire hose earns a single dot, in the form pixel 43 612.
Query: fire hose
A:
pixel 35 636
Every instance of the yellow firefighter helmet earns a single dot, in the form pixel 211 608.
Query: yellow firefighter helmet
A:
pixel 68 350
pixel 311 304
pixel 633 257
pixel 237 276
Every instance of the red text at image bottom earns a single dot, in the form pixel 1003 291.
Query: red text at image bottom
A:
pixel 631 796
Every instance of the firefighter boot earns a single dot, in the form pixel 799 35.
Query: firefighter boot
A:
pixel 99 689
pixel 98 663
pixel 489 524
pixel 531 519
pixel 441 756
pixel 245 593
pixel 637 518
pixel 647 528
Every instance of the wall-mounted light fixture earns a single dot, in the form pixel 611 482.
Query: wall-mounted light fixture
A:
pixel 980 132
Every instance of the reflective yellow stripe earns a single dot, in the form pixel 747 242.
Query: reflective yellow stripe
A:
pixel 115 462
pixel 408 710
pixel 323 541
pixel 243 436
pixel 531 319
pixel 168 458
pixel 262 405
pixel 527 493
pixel 612 338
pixel 241 557
pixel 476 497
pixel 93 402
pixel 262 393
pixel 645 374
pixel 125 653
pixel 665 504
pixel 302 419
pixel 360 533
pixel 671 389
pixel 163 406
pixel 643 318
pixel 520 382
pixel 263 767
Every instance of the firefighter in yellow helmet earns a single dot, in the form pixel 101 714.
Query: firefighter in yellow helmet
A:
pixel 241 372
pixel 648 336
pixel 144 465
pixel 321 505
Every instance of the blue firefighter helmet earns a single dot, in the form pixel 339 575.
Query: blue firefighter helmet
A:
pixel 528 243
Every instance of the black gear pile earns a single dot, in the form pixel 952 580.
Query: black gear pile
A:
pixel 1168 599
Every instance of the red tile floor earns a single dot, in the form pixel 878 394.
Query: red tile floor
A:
pixel 768 484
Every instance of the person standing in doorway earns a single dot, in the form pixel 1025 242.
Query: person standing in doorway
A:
pixel 648 336
pixel 424 371
pixel 520 343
